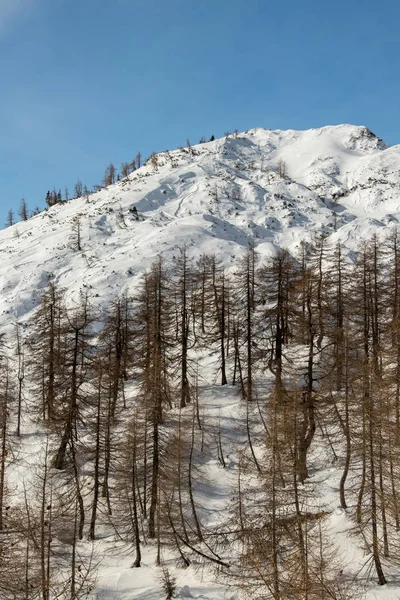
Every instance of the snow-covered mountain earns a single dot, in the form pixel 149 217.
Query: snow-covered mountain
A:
pixel 275 188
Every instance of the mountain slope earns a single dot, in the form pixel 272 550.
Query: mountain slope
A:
pixel 270 188
pixel 275 188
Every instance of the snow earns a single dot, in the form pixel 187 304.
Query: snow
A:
pixel 217 198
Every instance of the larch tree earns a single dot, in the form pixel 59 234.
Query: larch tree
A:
pixel 46 352
pixel 109 175
pixel 10 218
pixel 183 288
pixel 78 189
pixel 153 335
pixel 245 309
pixel 23 210
pixel 213 300
pixel 78 358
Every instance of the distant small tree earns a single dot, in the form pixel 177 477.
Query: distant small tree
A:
pixel 154 161
pixel 138 160
pixel 109 175
pixel 78 189
pixel 53 197
pixel 10 218
pixel 23 210
pixel 282 168
pixel 76 234
pixel 125 169
pixel 66 194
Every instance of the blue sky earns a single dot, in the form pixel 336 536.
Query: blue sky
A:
pixel 86 82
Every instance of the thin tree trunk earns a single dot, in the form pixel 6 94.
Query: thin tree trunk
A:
pixel 190 484
pixel 79 498
pixel 154 481
pixel 347 436
pixel 96 473
pixel 138 556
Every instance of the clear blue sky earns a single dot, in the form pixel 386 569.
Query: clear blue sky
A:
pixel 86 82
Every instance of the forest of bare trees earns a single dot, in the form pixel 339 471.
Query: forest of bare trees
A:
pixel 311 348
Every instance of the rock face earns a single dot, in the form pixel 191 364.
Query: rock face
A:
pixel 274 188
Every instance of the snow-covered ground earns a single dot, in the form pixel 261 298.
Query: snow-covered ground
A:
pixel 271 188
pixel 274 188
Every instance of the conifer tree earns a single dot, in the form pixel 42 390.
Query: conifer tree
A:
pixel 23 210
pixel 277 283
pixel 46 344
pixel 78 189
pixel 153 319
pixel 246 305
pixel 78 360
pixel 213 308
pixel 109 175
pixel 184 288
pixel 10 218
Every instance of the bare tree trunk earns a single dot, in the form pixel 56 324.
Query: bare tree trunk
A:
pixel 374 512
pixel 274 533
pixel 190 484
pixel 138 557
pixel 250 440
pixel 4 432
pixel 73 555
pixel 107 453
pixel 45 528
pixel 238 364
pixel 154 481
pixel 71 415
pixel 21 375
pixel 347 434
pixel 96 470
pixel 179 475
pixel 79 499
pixel 308 424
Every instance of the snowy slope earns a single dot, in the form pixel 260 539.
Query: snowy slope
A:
pixel 215 197
pixel 273 188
